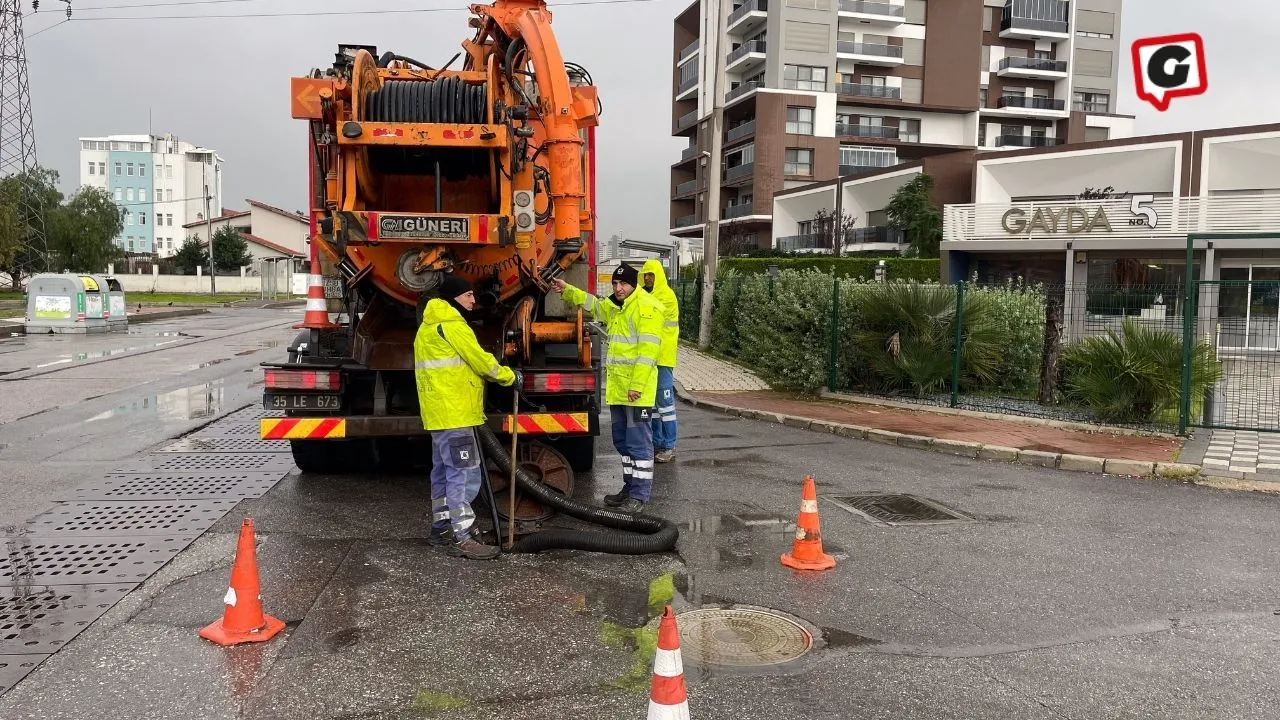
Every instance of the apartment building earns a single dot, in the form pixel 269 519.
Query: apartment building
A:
pixel 159 181
pixel 820 89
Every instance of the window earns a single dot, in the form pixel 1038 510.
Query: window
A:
pixel 159 195
pixel 1091 101
pixel 119 195
pixel 868 157
pixel 128 194
pixel 128 218
pixel 131 244
pixel 909 130
pixel 1098 35
pixel 129 169
pixel 142 169
pixel 168 172
pixel 117 167
pixel 168 195
pixel 689 72
pixel 982 134
pixel 102 168
pixel 91 168
pixel 142 218
pixel 159 219
pixel 799 161
pixel 1039 132
pixel 799 121
pixel 982 97
pixel 984 65
pixel 168 220
pixel 804 77
pixel 804 227
pixel 1042 55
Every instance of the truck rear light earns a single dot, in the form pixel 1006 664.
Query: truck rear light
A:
pixel 559 382
pixel 303 380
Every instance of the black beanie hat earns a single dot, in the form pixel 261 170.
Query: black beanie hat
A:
pixel 453 286
pixel 627 274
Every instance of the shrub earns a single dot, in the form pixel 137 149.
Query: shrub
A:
pixel 1135 376
pixel 1019 310
pixel 897 268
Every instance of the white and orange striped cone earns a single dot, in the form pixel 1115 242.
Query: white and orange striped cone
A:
pixel 667 697
pixel 806 551
pixel 317 314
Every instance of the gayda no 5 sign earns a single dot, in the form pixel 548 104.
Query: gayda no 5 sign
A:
pixel 1074 220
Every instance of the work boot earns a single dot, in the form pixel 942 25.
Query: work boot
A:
pixel 664 456
pixel 440 538
pixel 616 499
pixel 631 505
pixel 473 550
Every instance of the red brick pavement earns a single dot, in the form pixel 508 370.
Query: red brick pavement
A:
pixel 1006 433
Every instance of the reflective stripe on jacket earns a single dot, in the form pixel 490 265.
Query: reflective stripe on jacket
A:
pixel 663 293
pixel 635 336
pixel 450 368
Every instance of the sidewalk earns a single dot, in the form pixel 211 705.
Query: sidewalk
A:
pixel 707 382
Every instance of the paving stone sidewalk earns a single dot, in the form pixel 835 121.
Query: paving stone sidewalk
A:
pixel 699 372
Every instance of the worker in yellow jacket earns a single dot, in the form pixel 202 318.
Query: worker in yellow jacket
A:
pixel 664 419
pixel 633 321
pixel 450 368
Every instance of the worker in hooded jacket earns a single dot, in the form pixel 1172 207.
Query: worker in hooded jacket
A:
pixel 633 321
pixel 450 368
pixel 664 418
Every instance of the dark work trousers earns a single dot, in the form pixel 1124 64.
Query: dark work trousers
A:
pixel 633 438
pixel 455 480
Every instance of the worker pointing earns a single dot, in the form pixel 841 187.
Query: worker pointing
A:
pixel 664 420
pixel 633 322
pixel 450 368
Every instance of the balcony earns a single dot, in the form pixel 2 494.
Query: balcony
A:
pixel 687 87
pixel 739 174
pixel 1036 20
pixel 1023 105
pixel 686 189
pixel 746 55
pixel 869 53
pixel 859 169
pixel 741 90
pixel 689 50
pixel 1027 141
pixel 687 120
pixel 869 91
pixel 688 154
pixel 685 221
pixel 748 16
pixel 745 130
pixel 739 210
pixel 1032 68
pixel 867 131
pixel 811 241
pixel 1091 107
pixel 875 235
pixel 875 13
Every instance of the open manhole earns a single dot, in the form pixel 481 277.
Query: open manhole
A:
pixel 741 637
pixel 896 509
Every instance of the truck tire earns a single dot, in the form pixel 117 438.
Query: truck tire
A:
pixel 332 457
pixel 579 451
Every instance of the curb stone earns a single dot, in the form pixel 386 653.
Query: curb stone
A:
pixel 1184 472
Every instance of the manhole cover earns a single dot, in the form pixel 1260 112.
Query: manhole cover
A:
pixel 142 517
pixel 892 509
pixel 739 637
pixel 186 486
pixel 43 619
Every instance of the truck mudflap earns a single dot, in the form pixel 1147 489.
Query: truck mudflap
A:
pixel 338 428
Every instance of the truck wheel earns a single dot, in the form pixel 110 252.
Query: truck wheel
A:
pixel 332 457
pixel 311 456
pixel 579 451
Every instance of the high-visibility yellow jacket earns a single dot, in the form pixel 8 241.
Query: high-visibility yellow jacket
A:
pixel 663 293
pixel 450 368
pixel 635 336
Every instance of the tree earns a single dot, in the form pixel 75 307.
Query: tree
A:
pixel 230 250
pixel 1105 193
pixel 39 188
pixel 734 239
pixel 832 231
pixel 82 232
pixel 911 210
pixel 191 256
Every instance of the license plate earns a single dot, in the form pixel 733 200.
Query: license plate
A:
pixel 302 402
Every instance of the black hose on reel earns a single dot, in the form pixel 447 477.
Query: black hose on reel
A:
pixel 447 100
pixel 657 534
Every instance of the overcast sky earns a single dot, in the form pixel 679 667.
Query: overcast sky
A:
pixel 224 83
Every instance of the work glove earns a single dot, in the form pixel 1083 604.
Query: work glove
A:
pixel 519 382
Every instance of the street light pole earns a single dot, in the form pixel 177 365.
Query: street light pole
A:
pixel 208 231
pixel 711 235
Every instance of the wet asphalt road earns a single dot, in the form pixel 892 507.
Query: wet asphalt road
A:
pixel 1069 596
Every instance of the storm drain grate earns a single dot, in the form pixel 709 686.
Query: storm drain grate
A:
pixel 43 619
pixel 43 561
pixel 223 429
pixel 265 461
pixel 896 509
pixel 224 445
pixel 179 486
pixel 15 667
pixel 741 637
pixel 177 517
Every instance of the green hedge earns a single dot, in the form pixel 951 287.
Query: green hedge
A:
pixel 899 268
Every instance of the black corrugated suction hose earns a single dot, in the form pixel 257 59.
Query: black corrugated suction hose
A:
pixel 656 535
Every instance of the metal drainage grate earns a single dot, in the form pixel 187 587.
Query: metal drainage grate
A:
pixel 178 486
pixel 31 561
pixel 895 509
pixel 44 619
pixel 143 517
pixel 224 445
pixel 223 429
pixel 265 461
pixel 15 667
pixel 740 637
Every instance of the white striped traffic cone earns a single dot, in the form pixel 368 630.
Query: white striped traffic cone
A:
pixel 317 315
pixel 667 698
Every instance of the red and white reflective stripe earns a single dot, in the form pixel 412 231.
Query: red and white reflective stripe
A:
pixel 667 663
pixel 315 281
pixel 317 304
pixel 809 506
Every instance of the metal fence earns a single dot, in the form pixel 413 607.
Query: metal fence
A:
pixel 1156 357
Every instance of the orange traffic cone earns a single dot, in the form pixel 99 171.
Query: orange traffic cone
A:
pixel 667 698
pixel 317 315
pixel 806 552
pixel 243 620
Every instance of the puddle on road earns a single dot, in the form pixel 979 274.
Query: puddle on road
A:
pixel 98 354
pixel 189 403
